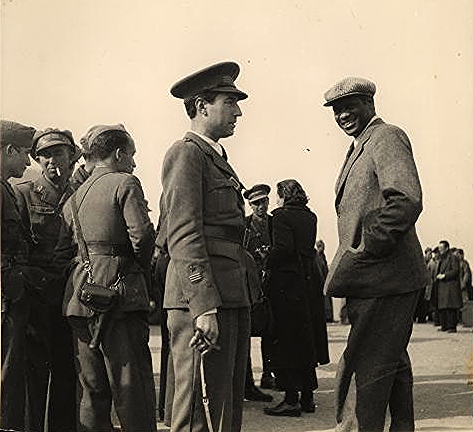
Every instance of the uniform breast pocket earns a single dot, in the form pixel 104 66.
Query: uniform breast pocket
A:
pixel 221 196
pixel 40 214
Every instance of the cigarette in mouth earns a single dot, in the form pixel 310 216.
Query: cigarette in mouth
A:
pixel 58 172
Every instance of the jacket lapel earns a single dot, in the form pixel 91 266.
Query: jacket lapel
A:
pixel 218 160
pixel 353 157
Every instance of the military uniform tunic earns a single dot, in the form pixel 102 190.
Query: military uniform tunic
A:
pixel 50 349
pixel 15 311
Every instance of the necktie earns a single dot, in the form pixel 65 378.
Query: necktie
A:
pixel 224 153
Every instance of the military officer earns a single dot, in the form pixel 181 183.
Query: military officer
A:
pixel 206 292
pixel 15 143
pixel 257 241
pixel 49 338
pixel 119 237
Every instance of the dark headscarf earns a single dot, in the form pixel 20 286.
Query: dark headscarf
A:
pixel 292 193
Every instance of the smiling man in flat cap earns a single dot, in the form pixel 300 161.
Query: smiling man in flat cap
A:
pixel 206 292
pixel 379 265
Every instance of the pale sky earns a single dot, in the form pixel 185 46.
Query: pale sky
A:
pixel 75 63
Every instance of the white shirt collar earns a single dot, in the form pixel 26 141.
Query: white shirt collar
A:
pixel 215 145
pixel 355 141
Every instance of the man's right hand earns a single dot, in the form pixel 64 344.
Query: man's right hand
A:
pixel 209 326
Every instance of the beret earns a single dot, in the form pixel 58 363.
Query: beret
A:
pixel 219 78
pixel 50 137
pixel 257 192
pixel 348 87
pixel 90 136
pixel 16 134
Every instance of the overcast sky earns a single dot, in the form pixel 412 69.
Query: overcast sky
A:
pixel 74 63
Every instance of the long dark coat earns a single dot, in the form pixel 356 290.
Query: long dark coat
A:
pixel 295 292
pixel 448 289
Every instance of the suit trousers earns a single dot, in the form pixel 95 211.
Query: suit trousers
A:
pixel 224 372
pixel 14 322
pixel 120 369
pixel 448 318
pixel 376 357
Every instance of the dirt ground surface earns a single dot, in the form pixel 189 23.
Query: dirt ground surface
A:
pixel 443 383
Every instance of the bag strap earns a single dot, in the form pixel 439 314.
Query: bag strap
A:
pixel 84 255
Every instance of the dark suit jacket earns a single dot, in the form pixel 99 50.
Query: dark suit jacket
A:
pixel 113 212
pixel 378 201
pixel 204 221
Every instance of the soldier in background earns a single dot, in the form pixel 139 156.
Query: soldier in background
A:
pixel 257 242
pixel 15 143
pixel 49 344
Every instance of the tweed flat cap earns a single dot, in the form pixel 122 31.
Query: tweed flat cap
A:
pixel 348 87
pixel 16 134
pixel 257 192
pixel 219 77
pixel 51 137
pixel 90 136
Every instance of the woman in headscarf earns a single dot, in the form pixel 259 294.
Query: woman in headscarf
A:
pixel 299 340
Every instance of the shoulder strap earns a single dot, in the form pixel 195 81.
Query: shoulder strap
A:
pixel 80 237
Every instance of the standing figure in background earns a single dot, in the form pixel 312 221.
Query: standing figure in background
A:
pixel 465 276
pixel 15 145
pixel 379 265
pixel 447 281
pixel 422 308
pixel 206 292
pixel 112 220
pixel 50 353
pixel 431 288
pixel 257 242
pixel 322 264
pixel 299 338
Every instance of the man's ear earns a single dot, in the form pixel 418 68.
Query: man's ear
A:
pixel 10 150
pixel 200 105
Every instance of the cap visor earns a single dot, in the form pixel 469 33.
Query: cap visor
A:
pixel 332 101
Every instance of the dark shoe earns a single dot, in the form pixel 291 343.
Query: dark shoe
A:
pixel 454 330
pixel 284 409
pixel 442 329
pixel 268 383
pixel 255 394
pixel 308 407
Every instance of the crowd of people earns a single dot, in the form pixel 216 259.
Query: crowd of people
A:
pixel 82 263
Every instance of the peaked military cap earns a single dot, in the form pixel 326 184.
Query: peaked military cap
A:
pixel 16 134
pixel 348 87
pixel 219 78
pixel 51 137
pixel 257 192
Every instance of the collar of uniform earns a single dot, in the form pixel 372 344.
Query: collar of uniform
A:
pixel 215 145
pixel 356 141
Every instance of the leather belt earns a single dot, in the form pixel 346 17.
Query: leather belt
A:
pixel 113 250
pixel 229 233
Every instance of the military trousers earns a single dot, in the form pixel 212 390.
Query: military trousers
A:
pixel 375 371
pixel 14 324
pixel 119 369
pixel 224 372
